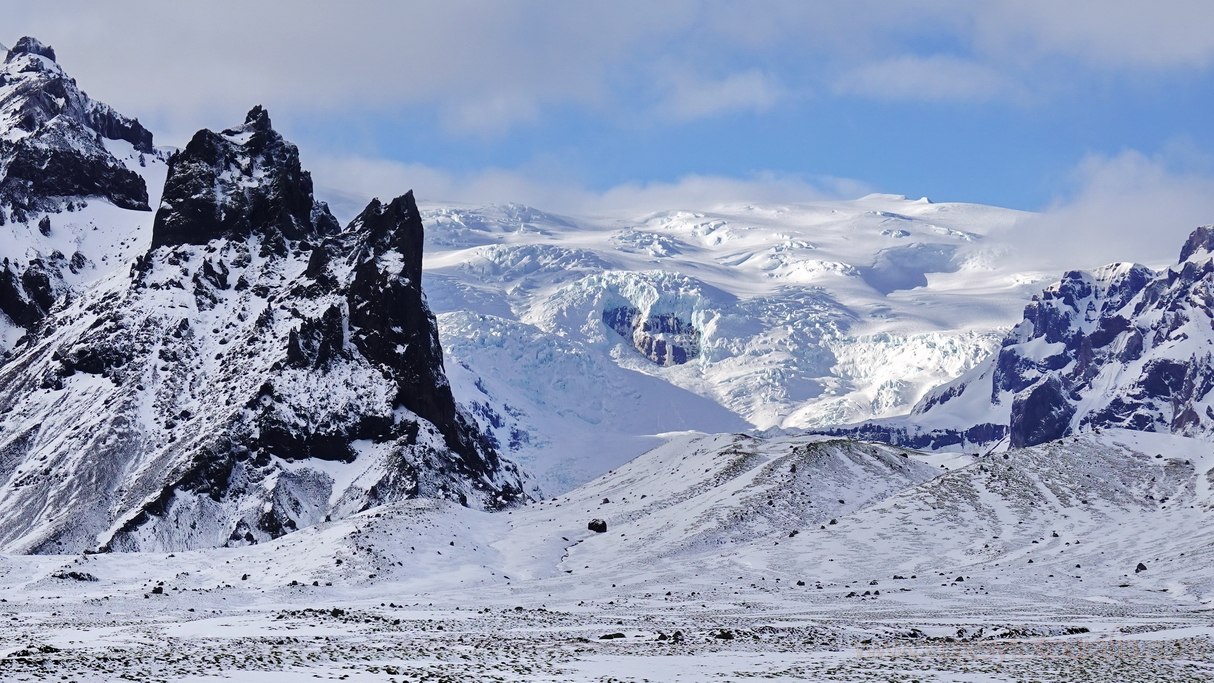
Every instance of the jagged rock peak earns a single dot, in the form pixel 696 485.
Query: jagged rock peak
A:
pixel 1200 241
pixel 258 119
pixel 243 181
pixel 38 99
pixel 394 227
pixel 54 150
pixel 31 46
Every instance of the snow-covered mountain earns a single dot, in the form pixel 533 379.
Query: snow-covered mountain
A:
pixel 1122 346
pixel 240 365
pixel 255 370
pixel 576 339
pixel 77 183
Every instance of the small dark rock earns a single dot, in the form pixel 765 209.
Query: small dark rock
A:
pixel 73 576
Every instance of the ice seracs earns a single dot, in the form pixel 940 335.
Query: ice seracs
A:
pixel 753 316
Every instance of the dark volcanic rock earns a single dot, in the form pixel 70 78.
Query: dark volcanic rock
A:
pixel 663 338
pixel 1040 415
pixel 1201 240
pixel 26 295
pixel 54 149
pixel 391 325
pixel 55 156
pixel 897 434
pixel 30 46
pixel 242 181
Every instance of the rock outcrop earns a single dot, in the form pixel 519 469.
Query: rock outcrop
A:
pixel 63 156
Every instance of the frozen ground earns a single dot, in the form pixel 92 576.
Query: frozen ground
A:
pixel 720 563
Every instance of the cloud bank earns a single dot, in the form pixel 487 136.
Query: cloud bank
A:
pixel 487 67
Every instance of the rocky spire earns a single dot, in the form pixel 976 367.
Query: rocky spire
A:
pixel 395 227
pixel 1200 241
pixel 238 182
pixel 31 46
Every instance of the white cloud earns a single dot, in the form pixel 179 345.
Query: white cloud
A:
pixel 1108 33
pixel 690 97
pixel 348 182
pixel 484 67
pixel 935 78
pixel 1128 207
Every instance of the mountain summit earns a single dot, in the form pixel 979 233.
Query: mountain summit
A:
pixel 241 180
pixel 77 180
pixel 54 148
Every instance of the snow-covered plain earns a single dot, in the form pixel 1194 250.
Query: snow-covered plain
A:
pixel 807 315
pixel 726 558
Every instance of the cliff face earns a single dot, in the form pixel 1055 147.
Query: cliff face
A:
pixel 53 147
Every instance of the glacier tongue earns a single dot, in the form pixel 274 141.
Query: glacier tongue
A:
pixel 794 316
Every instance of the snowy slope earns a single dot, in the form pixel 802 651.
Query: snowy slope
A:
pixel 1083 559
pixel 764 316
pixel 826 511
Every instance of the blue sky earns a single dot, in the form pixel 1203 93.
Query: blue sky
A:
pixel 1061 107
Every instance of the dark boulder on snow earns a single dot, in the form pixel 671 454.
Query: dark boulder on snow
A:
pixel 74 575
pixel 598 526
pixel 1140 568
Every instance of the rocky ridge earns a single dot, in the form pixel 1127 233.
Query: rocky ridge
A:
pixel 68 165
